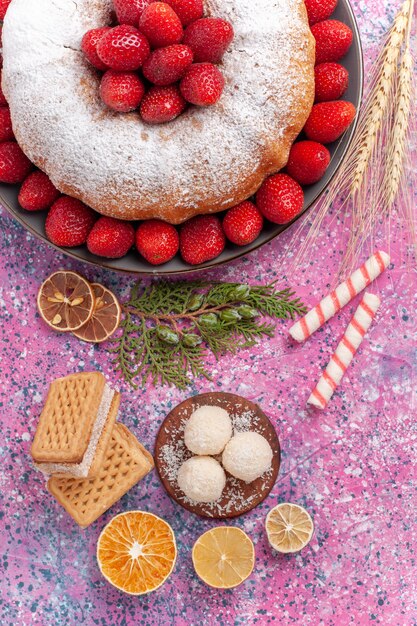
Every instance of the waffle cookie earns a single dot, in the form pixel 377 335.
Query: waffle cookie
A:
pixel 97 446
pixel 75 426
pixel 126 461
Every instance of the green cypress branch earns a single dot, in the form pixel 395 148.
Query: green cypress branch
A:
pixel 168 328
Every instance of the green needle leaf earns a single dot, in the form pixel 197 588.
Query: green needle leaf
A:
pixel 169 328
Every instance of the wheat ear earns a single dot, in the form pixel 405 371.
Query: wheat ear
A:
pixel 379 96
pixel 397 145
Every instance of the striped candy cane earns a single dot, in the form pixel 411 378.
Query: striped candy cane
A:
pixel 345 351
pixel 343 294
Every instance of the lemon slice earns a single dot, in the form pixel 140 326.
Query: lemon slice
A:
pixel 289 527
pixel 223 557
pixel 136 552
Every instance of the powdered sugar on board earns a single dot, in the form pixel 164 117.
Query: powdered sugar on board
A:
pixel 206 160
pixel 170 453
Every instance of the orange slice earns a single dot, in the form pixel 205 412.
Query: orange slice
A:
pixel 223 557
pixel 289 527
pixel 65 301
pixel 105 319
pixel 136 552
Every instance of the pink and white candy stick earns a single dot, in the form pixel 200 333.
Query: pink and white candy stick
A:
pixel 345 351
pixel 343 294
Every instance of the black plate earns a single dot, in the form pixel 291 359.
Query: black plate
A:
pixel 132 263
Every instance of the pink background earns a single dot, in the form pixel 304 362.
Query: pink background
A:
pixel 353 466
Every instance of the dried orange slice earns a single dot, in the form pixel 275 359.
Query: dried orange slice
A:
pixel 223 557
pixel 105 319
pixel 136 552
pixel 65 301
pixel 289 527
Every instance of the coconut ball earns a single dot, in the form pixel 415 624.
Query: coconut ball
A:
pixel 208 430
pixel 202 479
pixel 247 456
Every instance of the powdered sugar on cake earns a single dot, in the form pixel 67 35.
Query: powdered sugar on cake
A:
pixel 206 160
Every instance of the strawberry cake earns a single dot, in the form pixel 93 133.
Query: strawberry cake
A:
pixel 206 160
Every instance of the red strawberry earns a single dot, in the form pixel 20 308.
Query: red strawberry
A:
pixel 319 10
pixel 89 47
pixel 243 223
pixel 37 192
pixel 333 40
pixel 162 104
pixel 123 48
pixel 209 38
pixel 332 80
pixel 69 222
pixel 202 84
pixel 14 164
pixel 308 162
pixel 280 198
pixel 329 120
pixel 3 101
pixel 111 238
pixel 121 91
pixel 161 25
pixel 129 11
pixel 187 10
pixel 167 65
pixel 6 130
pixel 201 239
pixel 4 5
pixel 157 241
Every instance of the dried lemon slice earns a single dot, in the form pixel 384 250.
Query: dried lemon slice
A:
pixel 105 319
pixel 223 557
pixel 136 552
pixel 65 301
pixel 289 527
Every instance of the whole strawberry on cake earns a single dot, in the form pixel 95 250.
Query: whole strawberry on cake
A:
pixel 162 110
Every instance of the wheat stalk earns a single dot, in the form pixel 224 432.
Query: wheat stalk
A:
pixel 379 97
pixel 398 140
pixel 375 188
pixel 370 178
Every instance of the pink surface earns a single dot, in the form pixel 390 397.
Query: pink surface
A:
pixel 353 466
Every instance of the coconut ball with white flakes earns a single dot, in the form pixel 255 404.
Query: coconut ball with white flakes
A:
pixel 208 430
pixel 201 479
pixel 247 456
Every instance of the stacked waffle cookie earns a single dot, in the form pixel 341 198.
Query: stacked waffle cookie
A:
pixel 91 460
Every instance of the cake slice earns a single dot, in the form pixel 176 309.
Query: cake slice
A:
pixel 125 463
pixel 75 425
